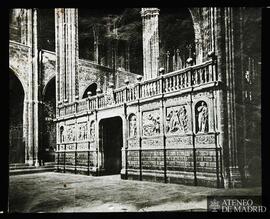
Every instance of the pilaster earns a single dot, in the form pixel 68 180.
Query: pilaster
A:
pixel 150 42
pixel 66 33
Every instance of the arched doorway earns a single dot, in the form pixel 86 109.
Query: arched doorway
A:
pixel 16 100
pixel 91 88
pixel 111 142
pixel 49 128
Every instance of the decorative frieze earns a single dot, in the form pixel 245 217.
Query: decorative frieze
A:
pixel 178 141
pixel 152 143
pixel 133 143
pixel 205 139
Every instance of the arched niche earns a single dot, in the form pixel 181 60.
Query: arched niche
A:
pixel 132 125
pixel 202 117
pixel 91 88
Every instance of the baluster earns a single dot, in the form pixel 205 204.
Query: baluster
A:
pixel 210 74
pixel 196 77
pixel 176 82
pixel 206 74
pixel 180 81
pixel 169 84
pixel 200 76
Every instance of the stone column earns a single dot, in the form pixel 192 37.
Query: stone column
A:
pixel 66 33
pixel 150 42
pixel 35 86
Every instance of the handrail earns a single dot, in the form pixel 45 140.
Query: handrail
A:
pixel 174 81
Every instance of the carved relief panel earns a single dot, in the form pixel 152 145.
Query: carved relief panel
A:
pixel 70 133
pixel 82 131
pixel 177 121
pixel 151 123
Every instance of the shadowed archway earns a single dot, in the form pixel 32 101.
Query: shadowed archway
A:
pixel 16 106
pixel 46 153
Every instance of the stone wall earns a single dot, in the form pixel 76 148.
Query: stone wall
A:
pixel 171 137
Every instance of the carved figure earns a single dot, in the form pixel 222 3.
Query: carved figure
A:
pixel 202 117
pixel 92 130
pixel 183 119
pixel 132 126
pixel 151 124
pixel 177 120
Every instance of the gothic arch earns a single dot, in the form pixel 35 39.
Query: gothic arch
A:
pixel 17 119
pixel 17 75
pixel 47 84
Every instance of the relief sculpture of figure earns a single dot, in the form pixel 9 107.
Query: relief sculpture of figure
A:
pixel 173 121
pixel 157 125
pixel 202 117
pixel 183 118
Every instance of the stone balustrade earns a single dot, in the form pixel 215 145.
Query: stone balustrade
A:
pixel 190 77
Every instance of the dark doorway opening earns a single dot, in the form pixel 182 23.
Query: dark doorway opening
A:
pixel 16 142
pixel 48 147
pixel 111 136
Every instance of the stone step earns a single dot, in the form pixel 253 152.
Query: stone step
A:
pixel 31 170
pixel 27 166
pixel 19 165
pixel 49 164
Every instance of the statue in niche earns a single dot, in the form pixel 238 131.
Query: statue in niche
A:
pixel 92 130
pixel 132 126
pixel 202 117
pixel 62 137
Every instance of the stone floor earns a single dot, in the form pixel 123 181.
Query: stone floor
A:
pixel 58 192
